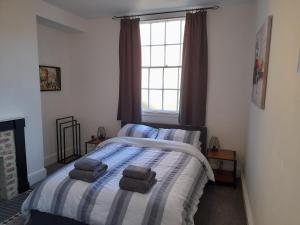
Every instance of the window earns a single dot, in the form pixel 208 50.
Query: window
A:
pixel 161 64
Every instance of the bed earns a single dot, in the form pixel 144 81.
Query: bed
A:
pixel 182 172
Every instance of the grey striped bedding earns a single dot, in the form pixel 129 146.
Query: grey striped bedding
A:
pixel 181 173
pixel 185 136
pixel 137 130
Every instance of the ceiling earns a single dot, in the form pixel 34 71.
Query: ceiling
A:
pixel 97 8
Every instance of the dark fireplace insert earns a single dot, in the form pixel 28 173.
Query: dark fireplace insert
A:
pixel 17 127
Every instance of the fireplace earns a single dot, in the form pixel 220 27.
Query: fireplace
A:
pixel 13 166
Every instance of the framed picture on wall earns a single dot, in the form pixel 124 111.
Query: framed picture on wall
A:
pixel 260 73
pixel 50 78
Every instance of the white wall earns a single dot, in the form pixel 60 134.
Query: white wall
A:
pixel 272 156
pixel 231 50
pixel 54 50
pixel 19 79
pixel 94 56
pixel 59 17
pixel 54 31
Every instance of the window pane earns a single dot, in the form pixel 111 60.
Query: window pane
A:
pixel 156 75
pixel 182 30
pixel 157 56
pixel 171 78
pixel 173 32
pixel 145 34
pixel 155 99
pixel 172 55
pixel 144 99
pixel 170 100
pixel 158 33
pixel 144 78
pixel 145 56
pixel 161 47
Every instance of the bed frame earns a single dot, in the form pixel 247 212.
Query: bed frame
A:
pixel 38 218
pixel 203 130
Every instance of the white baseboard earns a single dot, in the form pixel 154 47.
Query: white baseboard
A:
pixel 37 176
pixel 52 158
pixel 247 204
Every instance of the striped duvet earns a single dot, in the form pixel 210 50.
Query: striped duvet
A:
pixel 182 171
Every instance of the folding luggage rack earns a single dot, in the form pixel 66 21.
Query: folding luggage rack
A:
pixel 63 124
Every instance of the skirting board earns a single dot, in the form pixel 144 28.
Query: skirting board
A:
pixel 37 176
pixel 247 204
pixel 52 158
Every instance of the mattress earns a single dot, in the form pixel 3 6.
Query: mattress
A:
pixel 182 172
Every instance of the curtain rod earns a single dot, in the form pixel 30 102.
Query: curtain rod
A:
pixel 158 13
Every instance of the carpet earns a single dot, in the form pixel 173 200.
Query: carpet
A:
pixel 221 205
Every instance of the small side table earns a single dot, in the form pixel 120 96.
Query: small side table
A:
pixel 224 176
pixel 94 142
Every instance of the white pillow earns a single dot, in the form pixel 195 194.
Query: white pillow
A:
pixel 185 136
pixel 138 130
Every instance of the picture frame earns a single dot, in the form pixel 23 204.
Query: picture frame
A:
pixel 50 78
pixel 261 63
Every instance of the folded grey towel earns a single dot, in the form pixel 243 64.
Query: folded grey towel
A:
pixel 136 185
pixel 88 176
pixel 137 172
pixel 87 164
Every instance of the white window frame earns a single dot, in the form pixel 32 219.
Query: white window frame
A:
pixel 163 113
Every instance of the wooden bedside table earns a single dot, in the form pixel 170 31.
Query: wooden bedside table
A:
pixel 224 176
pixel 95 142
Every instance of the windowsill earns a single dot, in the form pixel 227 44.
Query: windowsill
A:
pixel 160 117
pixel 160 113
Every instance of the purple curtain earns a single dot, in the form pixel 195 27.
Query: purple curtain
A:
pixel 130 71
pixel 192 110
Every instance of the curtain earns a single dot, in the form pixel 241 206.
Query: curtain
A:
pixel 192 109
pixel 129 109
